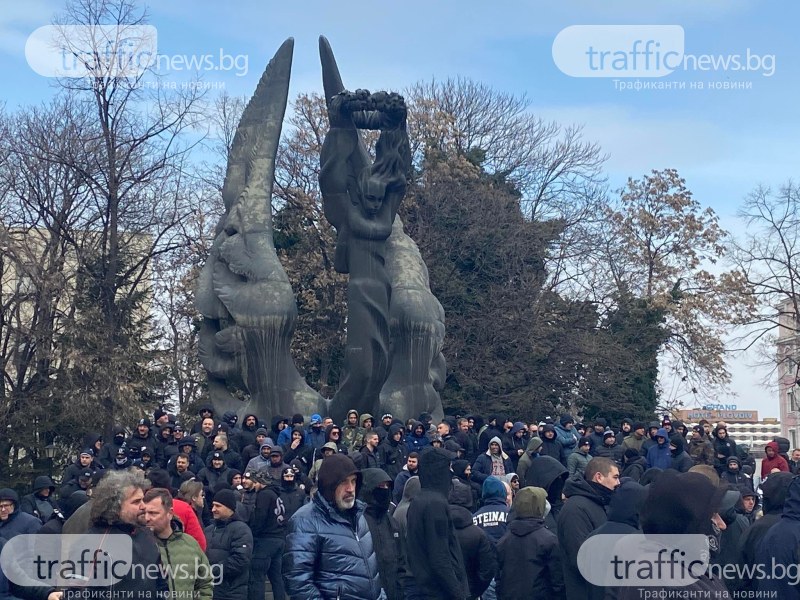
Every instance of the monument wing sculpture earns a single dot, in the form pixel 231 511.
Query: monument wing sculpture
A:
pixel 243 293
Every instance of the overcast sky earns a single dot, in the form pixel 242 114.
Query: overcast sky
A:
pixel 724 142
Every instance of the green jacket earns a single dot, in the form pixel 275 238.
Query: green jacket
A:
pixel 185 565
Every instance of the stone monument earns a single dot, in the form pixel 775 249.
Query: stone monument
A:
pixel 395 326
pixel 243 293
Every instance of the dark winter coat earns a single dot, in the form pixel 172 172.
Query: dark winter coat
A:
pixel 40 507
pixel 480 559
pixel 614 452
pixel 681 461
pixel 582 513
pixel 483 465
pixel 247 434
pixel 18 522
pixel 108 451
pixel 415 442
pixel 385 536
pixel 623 518
pixel 229 545
pixel 329 555
pixel 635 468
pixel 552 447
pixel 529 563
pixel 775 489
pixel 392 455
pixel 735 477
pixel 780 544
pixel 514 446
pixel 144 553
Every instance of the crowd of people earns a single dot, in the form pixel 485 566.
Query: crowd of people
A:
pixel 379 508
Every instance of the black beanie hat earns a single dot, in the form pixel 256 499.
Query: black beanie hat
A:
pixel 335 469
pixel 639 425
pixel 227 498
pixel 584 441
pixel 631 453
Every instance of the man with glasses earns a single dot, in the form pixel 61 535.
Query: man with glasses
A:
pixel 13 521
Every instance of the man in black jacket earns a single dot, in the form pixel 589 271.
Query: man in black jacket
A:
pixel 528 556
pixel 392 451
pixel 266 523
pixel 583 512
pixel 377 493
pixel 229 547
pixel 434 555
pixel 477 550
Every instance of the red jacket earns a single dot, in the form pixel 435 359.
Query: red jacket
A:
pixel 191 525
pixel 776 462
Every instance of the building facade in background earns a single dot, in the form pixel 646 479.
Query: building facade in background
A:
pixel 788 358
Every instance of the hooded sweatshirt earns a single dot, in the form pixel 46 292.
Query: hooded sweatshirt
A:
pixel 525 460
pixel 434 554
pixel 492 517
pixel 491 464
pixel 775 489
pixel 385 531
pixel 659 455
pixel 779 546
pixel 776 462
pixel 681 461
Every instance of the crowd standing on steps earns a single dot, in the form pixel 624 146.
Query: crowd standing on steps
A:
pixel 465 508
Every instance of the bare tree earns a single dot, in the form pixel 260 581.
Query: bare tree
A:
pixel 769 256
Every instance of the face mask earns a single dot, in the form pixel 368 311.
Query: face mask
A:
pixel 382 497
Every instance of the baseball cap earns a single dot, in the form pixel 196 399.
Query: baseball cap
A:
pixel 85 475
pixel 316 419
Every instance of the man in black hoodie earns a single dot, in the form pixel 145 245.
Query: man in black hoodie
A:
pixel 376 491
pixel 623 518
pixel 583 512
pixel 494 428
pixel 774 489
pixel 266 523
pixel 392 451
pixel 434 555
pixel 681 461
pixel 109 451
pixel 477 550
pixel 549 474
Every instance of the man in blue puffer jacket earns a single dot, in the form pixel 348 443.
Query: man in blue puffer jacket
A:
pixel 329 551
pixel 660 455
pixel 566 434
